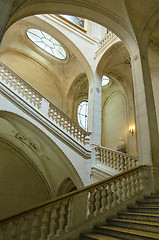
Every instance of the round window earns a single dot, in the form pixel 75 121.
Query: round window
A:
pixel 47 43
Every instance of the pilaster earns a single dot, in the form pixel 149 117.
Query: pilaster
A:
pixel 147 130
pixel 95 110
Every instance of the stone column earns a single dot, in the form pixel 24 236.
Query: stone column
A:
pixel 5 11
pixel 95 109
pixel 147 130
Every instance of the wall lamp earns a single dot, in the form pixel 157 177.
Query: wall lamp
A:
pixel 131 130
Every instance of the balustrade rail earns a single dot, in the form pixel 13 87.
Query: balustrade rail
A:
pixel 58 217
pixel 28 94
pixel 114 159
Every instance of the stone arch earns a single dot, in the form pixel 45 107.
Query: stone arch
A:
pixel 22 185
pixel 66 186
pixel 107 17
pixel 40 149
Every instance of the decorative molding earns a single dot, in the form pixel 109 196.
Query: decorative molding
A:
pixel 32 145
pixel 128 62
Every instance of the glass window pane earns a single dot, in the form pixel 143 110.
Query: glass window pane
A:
pixel 82 114
pixel 47 43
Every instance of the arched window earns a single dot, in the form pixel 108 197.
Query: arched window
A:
pixel 105 80
pixel 82 114
pixel 47 43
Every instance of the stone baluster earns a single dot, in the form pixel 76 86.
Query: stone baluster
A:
pixel 82 137
pixel 5 75
pixel 128 186
pixel 101 156
pixel 69 216
pixel 34 231
pixel 119 190
pixel 58 119
pixel 72 129
pixel 109 196
pixel 44 225
pixel 98 155
pixel 97 202
pixel 53 223
pixel 15 81
pixel 31 96
pixel 79 134
pixel 135 183
pixel 13 233
pixel 62 121
pixel 65 124
pixel 50 112
pixel 138 182
pixel 133 187
pixel 2 72
pixel 111 160
pixel 26 94
pixel 24 229
pixel 55 115
pixel 118 162
pixel 69 127
pixel 91 204
pixel 86 140
pixel 108 158
pixel 19 83
pixel 126 163
pixel 3 233
pixel 103 199
pixel 75 132
pixel 38 101
pixel 115 160
pixel 124 189
pixel 61 219
pixel 122 163
pixel 115 195
pixel 34 99
pixel 104 157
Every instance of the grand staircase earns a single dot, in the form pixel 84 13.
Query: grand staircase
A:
pixel 139 221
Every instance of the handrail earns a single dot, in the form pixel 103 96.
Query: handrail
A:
pixel 114 159
pixel 42 105
pixel 61 215
pixel 68 195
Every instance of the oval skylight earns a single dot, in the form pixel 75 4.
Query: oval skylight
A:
pixel 47 43
pixel 105 80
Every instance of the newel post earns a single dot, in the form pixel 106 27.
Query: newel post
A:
pixel 79 209
pixel 44 109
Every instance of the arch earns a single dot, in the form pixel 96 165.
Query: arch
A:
pixel 40 149
pixel 106 15
pixel 22 185
pixel 66 186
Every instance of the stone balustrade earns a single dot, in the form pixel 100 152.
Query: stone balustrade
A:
pixel 106 39
pixel 66 216
pixel 19 86
pixel 114 159
pixel 34 99
pixel 67 124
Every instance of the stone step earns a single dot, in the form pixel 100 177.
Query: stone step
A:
pixel 96 236
pixel 152 198
pixel 143 209
pixel 148 203
pixel 139 216
pixel 125 233
pixel 134 224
